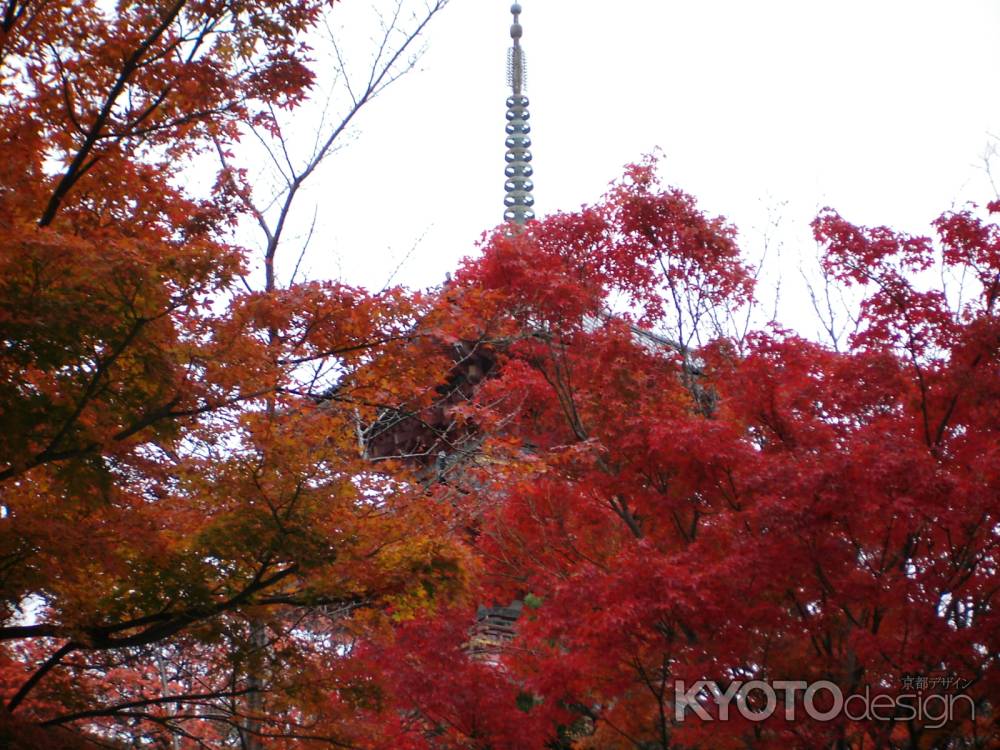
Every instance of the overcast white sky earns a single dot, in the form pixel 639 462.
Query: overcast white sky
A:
pixel 879 108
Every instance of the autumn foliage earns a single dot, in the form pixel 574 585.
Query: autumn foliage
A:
pixel 755 508
pixel 191 536
pixel 205 543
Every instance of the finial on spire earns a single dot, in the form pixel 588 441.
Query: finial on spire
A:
pixel 518 186
pixel 516 68
pixel 515 28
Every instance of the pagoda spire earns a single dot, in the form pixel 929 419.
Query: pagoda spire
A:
pixel 519 200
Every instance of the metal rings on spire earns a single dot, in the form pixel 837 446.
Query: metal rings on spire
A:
pixel 519 201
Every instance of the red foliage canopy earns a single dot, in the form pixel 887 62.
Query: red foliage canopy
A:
pixel 770 509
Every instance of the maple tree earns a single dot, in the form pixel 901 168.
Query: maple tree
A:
pixel 770 509
pixel 190 532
